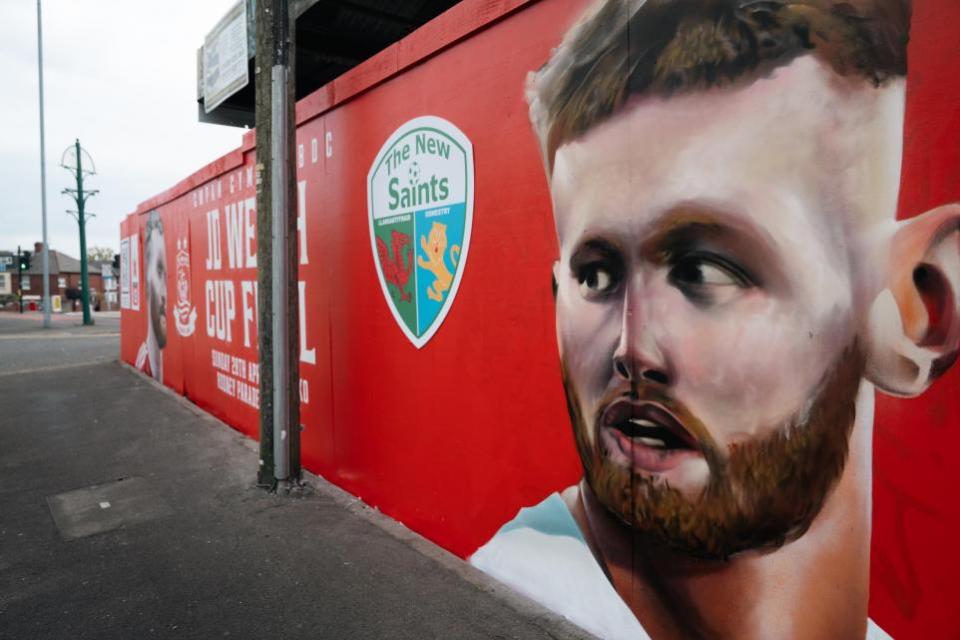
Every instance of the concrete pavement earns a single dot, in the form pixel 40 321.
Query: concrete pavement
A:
pixel 125 512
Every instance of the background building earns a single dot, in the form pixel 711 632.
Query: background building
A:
pixel 64 279
pixel 110 274
pixel 7 263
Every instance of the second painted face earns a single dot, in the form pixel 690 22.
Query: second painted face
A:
pixel 157 286
pixel 712 287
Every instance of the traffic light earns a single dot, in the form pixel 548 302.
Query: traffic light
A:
pixel 24 261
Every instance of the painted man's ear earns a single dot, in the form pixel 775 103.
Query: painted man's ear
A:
pixel 915 322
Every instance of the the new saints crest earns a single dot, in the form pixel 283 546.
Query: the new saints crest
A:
pixel 420 201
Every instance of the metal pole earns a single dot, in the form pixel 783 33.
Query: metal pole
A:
pixel 20 280
pixel 294 471
pixel 279 204
pixel 84 280
pixel 265 312
pixel 43 180
pixel 277 259
pixel 281 381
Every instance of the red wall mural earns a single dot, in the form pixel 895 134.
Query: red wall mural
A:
pixel 452 437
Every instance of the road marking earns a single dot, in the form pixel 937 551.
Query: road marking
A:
pixel 57 367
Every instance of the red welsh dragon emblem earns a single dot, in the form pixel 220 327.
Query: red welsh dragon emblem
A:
pixel 397 270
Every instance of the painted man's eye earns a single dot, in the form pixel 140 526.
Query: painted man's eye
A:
pixel 595 280
pixel 709 279
pixel 598 268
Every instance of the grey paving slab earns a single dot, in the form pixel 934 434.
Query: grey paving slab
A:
pixel 102 507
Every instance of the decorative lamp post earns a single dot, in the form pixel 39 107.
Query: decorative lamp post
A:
pixel 74 158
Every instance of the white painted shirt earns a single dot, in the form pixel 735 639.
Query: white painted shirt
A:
pixel 543 555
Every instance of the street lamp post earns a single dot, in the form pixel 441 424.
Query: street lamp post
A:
pixel 43 180
pixel 80 197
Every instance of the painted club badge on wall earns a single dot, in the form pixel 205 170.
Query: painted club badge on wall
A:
pixel 184 314
pixel 420 202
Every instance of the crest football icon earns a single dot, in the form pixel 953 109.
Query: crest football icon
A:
pixel 420 209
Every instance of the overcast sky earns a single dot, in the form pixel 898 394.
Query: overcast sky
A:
pixel 121 76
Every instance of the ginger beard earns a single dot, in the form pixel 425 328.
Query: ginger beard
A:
pixel 760 494
pixel 158 319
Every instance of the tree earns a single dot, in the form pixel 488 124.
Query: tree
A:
pixel 100 254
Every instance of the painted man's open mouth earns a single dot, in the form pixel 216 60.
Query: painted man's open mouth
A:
pixel 645 436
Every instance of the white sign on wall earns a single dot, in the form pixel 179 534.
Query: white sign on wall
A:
pixel 125 273
pixel 225 58
pixel 135 272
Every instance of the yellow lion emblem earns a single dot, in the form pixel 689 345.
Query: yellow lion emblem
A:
pixel 435 246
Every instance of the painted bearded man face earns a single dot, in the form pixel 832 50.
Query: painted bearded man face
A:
pixel 156 255
pixel 728 277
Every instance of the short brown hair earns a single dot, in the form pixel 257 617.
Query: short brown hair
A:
pixel 623 48
pixel 151 231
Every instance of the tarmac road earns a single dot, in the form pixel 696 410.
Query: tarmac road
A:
pixel 26 345
pixel 126 512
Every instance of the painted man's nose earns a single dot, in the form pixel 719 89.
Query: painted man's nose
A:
pixel 636 370
pixel 638 357
pixel 632 372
